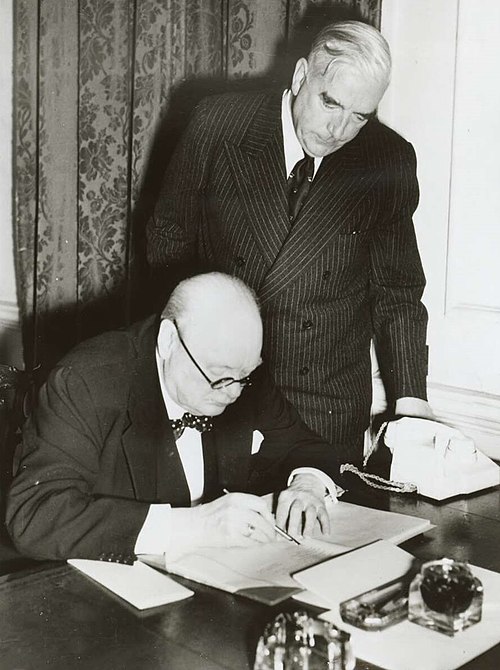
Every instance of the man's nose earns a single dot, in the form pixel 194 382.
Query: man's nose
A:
pixel 339 124
pixel 232 392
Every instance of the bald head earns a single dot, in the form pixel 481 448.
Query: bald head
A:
pixel 217 318
pixel 219 312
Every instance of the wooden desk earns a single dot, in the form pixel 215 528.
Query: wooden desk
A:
pixel 54 617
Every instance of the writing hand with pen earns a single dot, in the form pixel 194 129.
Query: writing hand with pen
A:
pixel 242 519
pixel 300 511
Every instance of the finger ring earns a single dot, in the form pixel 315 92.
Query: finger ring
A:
pixel 250 529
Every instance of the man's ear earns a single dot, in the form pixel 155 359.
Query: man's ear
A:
pixel 299 75
pixel 166 338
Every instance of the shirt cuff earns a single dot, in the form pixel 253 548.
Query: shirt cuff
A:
pixel 155 532
pixel 333 491
pixel 170 532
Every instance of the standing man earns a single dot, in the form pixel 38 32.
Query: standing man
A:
pixel 309 198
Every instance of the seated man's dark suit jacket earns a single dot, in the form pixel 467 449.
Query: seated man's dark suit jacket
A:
pixel 99 449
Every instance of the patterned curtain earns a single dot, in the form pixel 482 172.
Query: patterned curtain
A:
pixel 102 91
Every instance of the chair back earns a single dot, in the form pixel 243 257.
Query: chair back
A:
pixel 16 396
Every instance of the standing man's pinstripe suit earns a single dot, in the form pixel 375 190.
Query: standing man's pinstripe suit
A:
pixel 347 270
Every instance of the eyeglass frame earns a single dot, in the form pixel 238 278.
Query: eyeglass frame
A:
pixel 218 384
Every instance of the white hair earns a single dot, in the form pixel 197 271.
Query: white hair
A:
pixel 353 44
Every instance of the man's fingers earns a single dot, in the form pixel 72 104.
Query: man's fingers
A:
pixel 324 520
pixel 248 533
pixel 256 535
pixel 295 518
pixel 298 512
pixel 283 509
pixel 252 502
pixel 260 527
pixel 249 517
pixel 309 517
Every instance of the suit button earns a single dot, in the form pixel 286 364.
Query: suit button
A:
pixel 327 274
pixel 307 324
pixel 304 370
pixel 240 261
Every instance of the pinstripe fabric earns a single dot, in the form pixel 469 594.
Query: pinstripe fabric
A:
pixel 347 271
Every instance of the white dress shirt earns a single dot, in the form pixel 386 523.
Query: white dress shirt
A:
pixel 189 444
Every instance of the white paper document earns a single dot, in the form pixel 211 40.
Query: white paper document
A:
pixel 138 584
pixel 356 572
pixel 255 571
pixel 262 565
pixel 355 525
pixel 261 572
pixel 406 645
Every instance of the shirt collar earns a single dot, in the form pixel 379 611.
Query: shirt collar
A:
pixel 174 410
pixel 291 145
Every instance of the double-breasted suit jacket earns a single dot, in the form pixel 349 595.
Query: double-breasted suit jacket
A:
pixel 347 271
pixel 99 449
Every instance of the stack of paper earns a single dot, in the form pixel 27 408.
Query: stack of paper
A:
pixel 356 572
pixel 260 572
pixel 406 645
pixel 263 572
pixel 138 584
pixel 355 525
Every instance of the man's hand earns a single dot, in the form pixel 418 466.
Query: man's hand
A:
pixel 302 506
pixel 414 407
pixel 234 520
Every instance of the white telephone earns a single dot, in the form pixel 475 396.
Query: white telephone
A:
pixel 441 461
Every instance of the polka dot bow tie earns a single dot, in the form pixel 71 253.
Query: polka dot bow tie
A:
pixel 201 423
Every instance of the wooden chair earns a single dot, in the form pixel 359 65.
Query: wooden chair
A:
pixel 16 394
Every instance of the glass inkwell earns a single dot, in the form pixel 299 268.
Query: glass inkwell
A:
pixel 296 641
pixel 445 596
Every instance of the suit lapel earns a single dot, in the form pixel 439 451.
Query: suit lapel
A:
pixel 148 443
pixel 335 192
pixel 230 443
pixel 258 167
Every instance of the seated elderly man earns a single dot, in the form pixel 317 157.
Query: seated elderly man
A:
pixel 109 469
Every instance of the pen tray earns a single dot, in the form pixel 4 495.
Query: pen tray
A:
pixel 378 608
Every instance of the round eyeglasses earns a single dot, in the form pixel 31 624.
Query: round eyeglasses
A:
pixel 218 383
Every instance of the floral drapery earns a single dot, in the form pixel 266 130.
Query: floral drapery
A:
pixel 102 90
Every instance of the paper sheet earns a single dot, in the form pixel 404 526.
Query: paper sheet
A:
pixel 355 525
pixel 261 565
pixel 404 646
pixel 356 572
pixel 138 584
pixel 408 646
pixel 253 571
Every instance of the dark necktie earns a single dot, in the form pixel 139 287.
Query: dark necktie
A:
pixel 299 184
pixel 200 423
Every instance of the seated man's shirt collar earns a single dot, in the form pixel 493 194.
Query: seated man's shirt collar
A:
pixel 174 410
